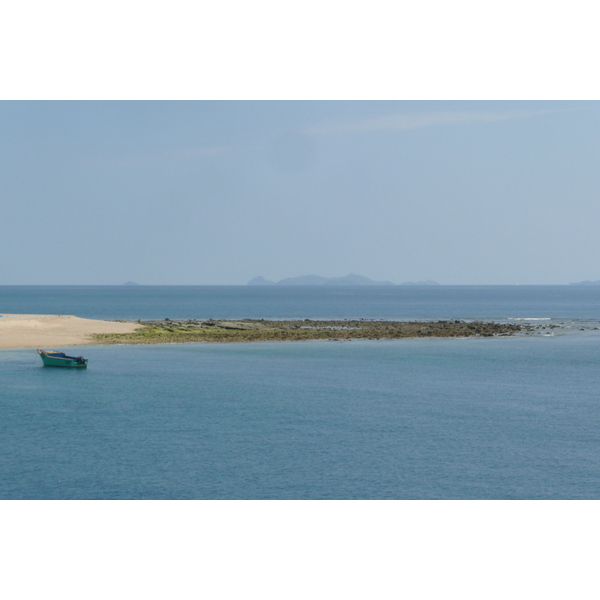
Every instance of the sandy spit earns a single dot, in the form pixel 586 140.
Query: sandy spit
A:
pixel 51 331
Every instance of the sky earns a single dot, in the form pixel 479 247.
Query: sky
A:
pixel 218 192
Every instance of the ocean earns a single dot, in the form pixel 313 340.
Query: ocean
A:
pixel 287 302
pixel 499 418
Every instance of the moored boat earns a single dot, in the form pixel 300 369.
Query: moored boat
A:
pixel 54 358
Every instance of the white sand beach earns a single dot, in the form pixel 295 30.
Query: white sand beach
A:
pixel 50 331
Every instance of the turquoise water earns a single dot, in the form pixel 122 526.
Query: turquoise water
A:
pixel 504 418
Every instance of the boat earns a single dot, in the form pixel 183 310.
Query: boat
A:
pixel 54 358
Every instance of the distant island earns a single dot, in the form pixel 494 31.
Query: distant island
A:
pixel 351 279
pixel 586 283
pixel 426 282
pixel 131 283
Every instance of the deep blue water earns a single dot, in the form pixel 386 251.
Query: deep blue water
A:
pixel 501 418
pixel 223 302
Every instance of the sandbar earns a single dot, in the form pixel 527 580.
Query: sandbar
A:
pixel 51 331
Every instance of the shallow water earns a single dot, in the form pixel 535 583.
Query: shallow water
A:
pixel 494 418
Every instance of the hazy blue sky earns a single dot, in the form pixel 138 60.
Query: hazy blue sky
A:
pixel 214 192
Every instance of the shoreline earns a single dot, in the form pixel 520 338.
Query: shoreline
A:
pixel 20 331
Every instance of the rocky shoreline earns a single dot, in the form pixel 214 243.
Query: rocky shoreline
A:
pixel 249 330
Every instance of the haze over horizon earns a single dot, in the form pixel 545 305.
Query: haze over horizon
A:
pixel 219 192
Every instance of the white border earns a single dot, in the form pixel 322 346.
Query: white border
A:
pixel 312 50
pixel 299 549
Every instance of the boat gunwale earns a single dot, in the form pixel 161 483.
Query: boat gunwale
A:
pixel 74 360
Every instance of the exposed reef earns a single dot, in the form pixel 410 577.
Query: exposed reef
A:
pixel 249 330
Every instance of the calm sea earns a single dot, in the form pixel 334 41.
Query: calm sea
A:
pixel 231 302
pixel 505 418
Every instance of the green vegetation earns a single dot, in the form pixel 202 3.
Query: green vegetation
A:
pixel 248 330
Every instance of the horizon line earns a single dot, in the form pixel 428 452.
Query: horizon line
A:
pixel 408 285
